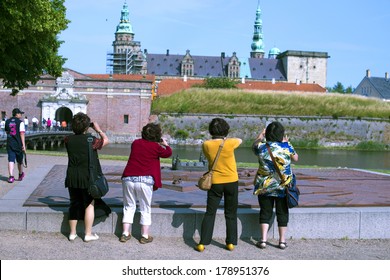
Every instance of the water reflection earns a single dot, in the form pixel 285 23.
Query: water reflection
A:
pixel 331 158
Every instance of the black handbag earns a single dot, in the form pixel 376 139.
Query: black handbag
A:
pixel 98 185
pixel 292 191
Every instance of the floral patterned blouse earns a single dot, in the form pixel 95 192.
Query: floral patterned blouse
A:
pixel 267 181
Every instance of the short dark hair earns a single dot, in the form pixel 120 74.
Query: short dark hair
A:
pixel 80 123
pixel 219 127
pixel 152 132
pixel 274 132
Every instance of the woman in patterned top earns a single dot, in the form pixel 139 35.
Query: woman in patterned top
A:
pixel 269 187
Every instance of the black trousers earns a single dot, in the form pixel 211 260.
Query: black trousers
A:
pixel 266 209
pixel 229 191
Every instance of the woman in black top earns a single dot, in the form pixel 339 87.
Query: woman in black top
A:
pixel 82 205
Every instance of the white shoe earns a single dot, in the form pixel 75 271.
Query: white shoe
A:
pixel 92 237
pixel 72 237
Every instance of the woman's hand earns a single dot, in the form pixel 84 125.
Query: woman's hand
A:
pixel 164 142
pixel 261 135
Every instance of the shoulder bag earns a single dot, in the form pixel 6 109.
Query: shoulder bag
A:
pixel 292 191
pixel 98 185
pixel 205 181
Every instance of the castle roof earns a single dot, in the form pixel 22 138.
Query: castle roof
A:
pixel 214 66
pixel 170 86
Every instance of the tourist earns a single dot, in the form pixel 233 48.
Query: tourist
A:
pixel 2 125
pixel 63 125
pixel 25 123
pixel 48 124
pixel 82 205
pixel 269 187
pixel 16 146
pixel 142 176
pixel 35 122
pixel 224 184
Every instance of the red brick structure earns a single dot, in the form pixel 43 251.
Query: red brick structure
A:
pixel 119 103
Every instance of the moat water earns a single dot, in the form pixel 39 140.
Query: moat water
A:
pixel 322 158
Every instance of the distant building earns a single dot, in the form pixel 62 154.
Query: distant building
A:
pixel 119 103
pixel 288 66
pixel 378 87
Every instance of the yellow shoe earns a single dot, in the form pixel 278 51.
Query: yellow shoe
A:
pixel 199 247
pixel 230 247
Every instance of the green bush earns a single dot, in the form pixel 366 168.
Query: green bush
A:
pixel 370 146
pixel 218 83
pixel 181 134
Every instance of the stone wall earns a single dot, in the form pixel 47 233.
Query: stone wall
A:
pixel 327 131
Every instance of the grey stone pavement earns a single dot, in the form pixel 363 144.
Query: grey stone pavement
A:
pixel 371 241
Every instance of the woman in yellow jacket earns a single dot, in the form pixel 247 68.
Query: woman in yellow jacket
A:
pixel 225 184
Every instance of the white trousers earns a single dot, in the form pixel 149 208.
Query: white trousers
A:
pixel 131 192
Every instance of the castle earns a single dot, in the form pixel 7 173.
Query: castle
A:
pixel 289 66
pixel 120 100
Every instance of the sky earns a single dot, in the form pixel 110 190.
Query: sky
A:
pixel 354 33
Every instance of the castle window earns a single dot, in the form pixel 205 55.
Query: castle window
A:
pixel 301 66
pixel 314 67
pixel 125 118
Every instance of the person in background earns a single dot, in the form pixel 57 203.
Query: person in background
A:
pixel 2 125
pixel 48 124
pixel 142 176
pixel 35 122
pixel 63 125
pixel 25 123
pixel 16 145
pixel 82 205
pixel 224 184
pixel 269 187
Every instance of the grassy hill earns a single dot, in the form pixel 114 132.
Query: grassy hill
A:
pixel 234 101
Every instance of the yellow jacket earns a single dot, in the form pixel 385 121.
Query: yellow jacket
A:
pixel 226 169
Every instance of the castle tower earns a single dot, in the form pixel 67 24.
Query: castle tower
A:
pixel 127 56
pixel 257 43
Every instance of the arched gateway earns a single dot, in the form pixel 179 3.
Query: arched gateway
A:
pixel 64 103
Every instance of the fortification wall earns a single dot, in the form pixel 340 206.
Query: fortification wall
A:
pixel 327 131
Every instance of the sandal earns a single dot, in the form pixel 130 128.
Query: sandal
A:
pixel 282 245
pixel 261 244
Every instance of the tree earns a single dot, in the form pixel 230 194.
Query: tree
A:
pixel 218 82
pixel 339 87
pixel 29 44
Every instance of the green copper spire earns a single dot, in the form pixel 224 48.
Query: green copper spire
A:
pixel 257 44
pixel 124 25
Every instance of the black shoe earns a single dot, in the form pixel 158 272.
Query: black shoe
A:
pixel 261 244
pixel 282 245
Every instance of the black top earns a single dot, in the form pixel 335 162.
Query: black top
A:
pixel 77 175
pixel 12 127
